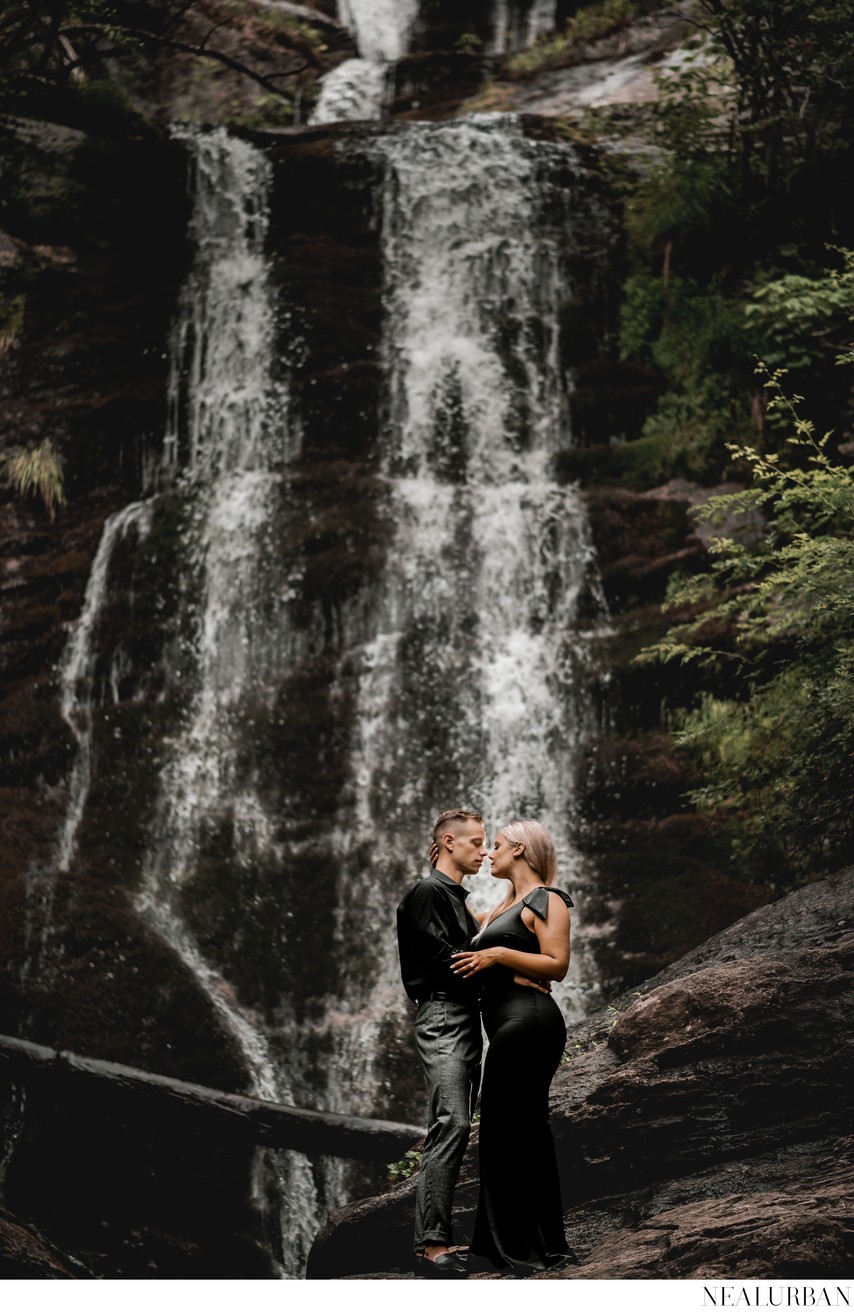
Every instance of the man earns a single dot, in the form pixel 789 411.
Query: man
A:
pixel 433 922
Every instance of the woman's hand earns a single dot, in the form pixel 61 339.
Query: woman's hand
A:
pixel 469 963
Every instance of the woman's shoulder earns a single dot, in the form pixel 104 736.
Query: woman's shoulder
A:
pixel 538 900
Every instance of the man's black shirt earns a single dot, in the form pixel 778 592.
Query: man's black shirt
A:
pixel 433 922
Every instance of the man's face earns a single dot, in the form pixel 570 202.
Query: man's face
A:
pixel 469 848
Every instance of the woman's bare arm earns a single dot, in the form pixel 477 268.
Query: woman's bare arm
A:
pixel 550 963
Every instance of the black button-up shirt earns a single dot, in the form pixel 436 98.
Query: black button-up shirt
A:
pixel 433 922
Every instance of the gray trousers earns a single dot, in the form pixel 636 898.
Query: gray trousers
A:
pixel 449 1043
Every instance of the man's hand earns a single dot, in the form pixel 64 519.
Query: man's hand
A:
pixel 434 854
pixel 529 983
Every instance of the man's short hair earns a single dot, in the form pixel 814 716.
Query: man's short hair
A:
pixel 452 822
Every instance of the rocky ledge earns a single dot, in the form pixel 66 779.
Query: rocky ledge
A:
pixel 26 1255
pixel 702 1123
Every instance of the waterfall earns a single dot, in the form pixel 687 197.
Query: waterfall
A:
pixel 470 683
pixel 227 440
pixel 476 686
pixel 462 664
pixel 356 88
pixel 515 26
pixel 42 936
pixel 381 27
pixel 77 674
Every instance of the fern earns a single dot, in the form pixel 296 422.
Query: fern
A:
pixel 38 472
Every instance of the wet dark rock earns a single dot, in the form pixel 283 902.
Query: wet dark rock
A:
pixel 785 1233
pixel 434 85
pixel 666 877
pixel 26 1255
pixel 565 90
pixel 96 269
pixel 701 1122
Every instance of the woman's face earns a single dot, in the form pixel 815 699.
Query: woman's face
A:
pixel 502 857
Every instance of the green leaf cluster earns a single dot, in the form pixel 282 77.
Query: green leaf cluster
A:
pixel 727 230
pixel 802 321
pixel 405 1168
pixel 696 337
pixel 772 621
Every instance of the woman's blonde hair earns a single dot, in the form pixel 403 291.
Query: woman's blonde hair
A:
pixel 540 854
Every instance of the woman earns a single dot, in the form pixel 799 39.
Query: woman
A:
pixel 519 1223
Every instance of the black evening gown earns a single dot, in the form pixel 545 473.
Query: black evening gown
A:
pixel 519 1222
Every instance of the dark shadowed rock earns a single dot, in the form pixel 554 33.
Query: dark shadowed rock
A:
pixel 25 1255
pixel 701 1124
pixel 787 1232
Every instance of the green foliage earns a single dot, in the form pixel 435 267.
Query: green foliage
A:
pixel 405 1168
pixel 688 330
pixel 791 64
pixel 587 24
pixel 761 104
pixel 803 321
pixel 694 106
pixel 37 471
pixel 774 616
pixel 469 43
pixel 779 769
pixel 696 337
pixel 677 199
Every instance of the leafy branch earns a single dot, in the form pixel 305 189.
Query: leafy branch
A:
pixel 776 755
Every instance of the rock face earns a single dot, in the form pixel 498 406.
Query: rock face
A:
pixel 665 875
pixel 25 1255
pixel 701 1124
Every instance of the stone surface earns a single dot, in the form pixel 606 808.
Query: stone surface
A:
pixel 665 874
pixel 26 1255
pixel 701 1123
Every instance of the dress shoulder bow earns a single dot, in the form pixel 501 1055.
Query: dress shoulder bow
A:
pixel 538 900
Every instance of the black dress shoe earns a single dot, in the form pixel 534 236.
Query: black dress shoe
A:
pixel 447 1266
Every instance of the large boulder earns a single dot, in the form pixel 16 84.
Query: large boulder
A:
pixel 701 1122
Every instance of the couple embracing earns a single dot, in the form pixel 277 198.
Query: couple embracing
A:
pixel 460 969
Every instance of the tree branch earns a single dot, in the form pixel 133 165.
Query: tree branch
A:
pixel 185 47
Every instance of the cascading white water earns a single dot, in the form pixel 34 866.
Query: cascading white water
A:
pixel 43 947
pixel 355 89
pixel 514 31
pixel 352 92
pixel 470 688
pixel 478 627
pixel 227 441
pixel 381 27
pixel 78 670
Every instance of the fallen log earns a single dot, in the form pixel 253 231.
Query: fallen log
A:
pixel 247 1119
